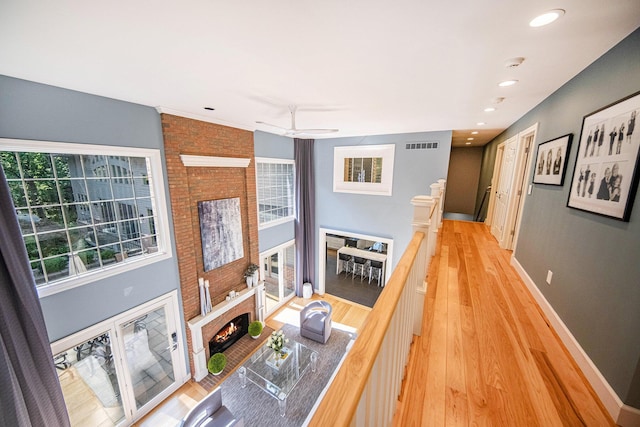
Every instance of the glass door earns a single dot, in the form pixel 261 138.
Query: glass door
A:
pixel 114 372
pixel 89 381
pixel 150 342
pixel 278 267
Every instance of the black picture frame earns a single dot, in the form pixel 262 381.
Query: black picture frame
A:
pixel 551 160
pixel 605 176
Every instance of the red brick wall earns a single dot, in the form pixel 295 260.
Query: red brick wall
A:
pixel 188 186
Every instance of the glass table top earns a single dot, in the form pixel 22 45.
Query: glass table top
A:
pixel 278 379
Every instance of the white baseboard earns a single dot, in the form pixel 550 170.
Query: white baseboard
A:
pixel 624 415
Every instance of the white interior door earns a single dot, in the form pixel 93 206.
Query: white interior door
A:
pixel 503 189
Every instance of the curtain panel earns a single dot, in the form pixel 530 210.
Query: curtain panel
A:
pixel 30 393
pixel 305 224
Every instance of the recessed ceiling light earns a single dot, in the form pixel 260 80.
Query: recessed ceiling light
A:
pixel 475 132
pixel 469 139
pixel 480 123
pixel 507 83
pixel 546 18
pixel 467 143
pixel 209 108
pixel 489 109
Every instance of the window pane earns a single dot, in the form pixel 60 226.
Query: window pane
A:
pixel 36 165
pixel 60 196
pixel 275 185
pixel 88 379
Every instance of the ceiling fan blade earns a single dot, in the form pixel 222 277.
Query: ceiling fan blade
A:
pixel 313 131
pixel 275 126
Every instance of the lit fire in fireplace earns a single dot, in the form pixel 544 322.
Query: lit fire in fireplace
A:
pixel 223 335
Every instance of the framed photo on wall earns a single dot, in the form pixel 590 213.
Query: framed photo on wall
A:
pixel 364 169
pixel 551 161
pixel 605 178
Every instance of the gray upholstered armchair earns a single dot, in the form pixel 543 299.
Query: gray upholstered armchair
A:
pixel 315 321
pixel 211 413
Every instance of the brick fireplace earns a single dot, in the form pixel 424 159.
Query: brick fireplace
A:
pixel 187 186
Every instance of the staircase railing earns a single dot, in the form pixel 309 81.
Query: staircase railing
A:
pixel 365 389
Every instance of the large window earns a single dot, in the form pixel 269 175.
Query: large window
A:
pixel 276 195
pixel 82 211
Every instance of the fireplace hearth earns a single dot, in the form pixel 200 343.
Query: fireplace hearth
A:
pixel 229 334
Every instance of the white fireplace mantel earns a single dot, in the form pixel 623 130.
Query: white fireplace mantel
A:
pixel 197 323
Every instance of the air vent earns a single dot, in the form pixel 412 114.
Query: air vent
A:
pixel 421 145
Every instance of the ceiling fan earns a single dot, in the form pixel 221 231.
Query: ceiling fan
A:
pixel 293 131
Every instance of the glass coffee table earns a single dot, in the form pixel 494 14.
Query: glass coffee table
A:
pixel 278 379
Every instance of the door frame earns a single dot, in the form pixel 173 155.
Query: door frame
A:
pixel 522 173
pixel 322 253
pixel 111 325
pixel 268 253
pixel 519 181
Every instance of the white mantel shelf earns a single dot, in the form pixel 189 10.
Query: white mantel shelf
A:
pixel 220 309
pixel 197 323
pixel 212 161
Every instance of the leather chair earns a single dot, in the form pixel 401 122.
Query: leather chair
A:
pixel 315 321
pixel 210 412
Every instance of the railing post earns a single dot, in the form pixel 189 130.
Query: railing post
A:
pixel 443 187
pixel 436 219
pixel 422 208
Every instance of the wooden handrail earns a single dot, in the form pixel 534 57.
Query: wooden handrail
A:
pixel 339 405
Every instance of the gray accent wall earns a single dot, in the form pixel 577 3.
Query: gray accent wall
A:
pixel 276 147
pixel 39 112
pixel 383 216
pixel 595 260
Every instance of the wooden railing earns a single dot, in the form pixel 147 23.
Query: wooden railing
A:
pixel 365 389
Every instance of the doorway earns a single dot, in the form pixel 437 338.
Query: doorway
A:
pixel 363 287
pixel 116 371
pixel 508 185
pixel 278 272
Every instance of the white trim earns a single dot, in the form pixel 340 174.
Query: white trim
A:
pixel 322 254
pixel 214 162
pixel 612 403
pixel 629 416
pixel 158 195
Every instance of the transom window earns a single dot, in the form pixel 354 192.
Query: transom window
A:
pixel 82 211
pixel 276 194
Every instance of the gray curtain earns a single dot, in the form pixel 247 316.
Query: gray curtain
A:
pixel 305 214
pixel 30 393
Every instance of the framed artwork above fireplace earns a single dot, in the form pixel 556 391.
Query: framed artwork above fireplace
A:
pixel 221 232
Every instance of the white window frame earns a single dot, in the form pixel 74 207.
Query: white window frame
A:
pixel 156 174
pixel 278 221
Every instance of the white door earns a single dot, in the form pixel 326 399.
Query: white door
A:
pixel 114 372
pixel 503 189
pixel 149 341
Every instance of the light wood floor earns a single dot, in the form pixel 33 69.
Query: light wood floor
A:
pixel 487 356
pixel 170 412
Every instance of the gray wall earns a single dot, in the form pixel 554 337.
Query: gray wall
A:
pixel 34 111
pixel 384 216
pixel 278 147
pixel 596 272
pixel 464 175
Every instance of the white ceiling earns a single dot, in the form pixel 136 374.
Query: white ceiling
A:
pixel 364 66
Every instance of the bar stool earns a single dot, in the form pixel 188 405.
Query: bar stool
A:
pixel 375 268
pixel 346 263
pixel 358 267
